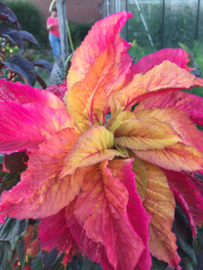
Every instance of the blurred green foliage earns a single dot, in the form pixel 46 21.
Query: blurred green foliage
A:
pixel 79 31
pixel 179 24
pixel 197 50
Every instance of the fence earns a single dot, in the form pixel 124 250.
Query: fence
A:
pixel 160 23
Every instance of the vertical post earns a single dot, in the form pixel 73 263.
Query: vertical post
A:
pixel 162 27
pixel 107 7
pixel 61 10
pixel 197 21
pixel 126 24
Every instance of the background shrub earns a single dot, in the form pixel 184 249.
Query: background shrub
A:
pixel 79 31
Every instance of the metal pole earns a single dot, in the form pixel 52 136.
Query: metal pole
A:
pixel 126 25
pixel 162 28
pixel 61 10
pixel 145 25
pixel 197 22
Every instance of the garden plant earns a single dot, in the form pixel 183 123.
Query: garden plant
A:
pixel 13 66
pixel 103 170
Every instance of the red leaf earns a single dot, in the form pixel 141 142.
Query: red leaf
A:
pixel 195 181
pixel 193 198
pixel 181 201
pixel 54 233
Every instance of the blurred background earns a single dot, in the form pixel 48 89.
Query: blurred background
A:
pixel 161 24
pixel 156 24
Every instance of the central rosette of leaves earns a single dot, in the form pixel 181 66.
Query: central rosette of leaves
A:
pixel 142 132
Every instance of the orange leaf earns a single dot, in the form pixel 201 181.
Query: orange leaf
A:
pixel 177 157
pixel 163 78
pixel 88 96
pixel 160 204
pixel 189 103
pixel 102 33
pixel 101 206
pixel 34 248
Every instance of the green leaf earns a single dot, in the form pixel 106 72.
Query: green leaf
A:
pixel 13 259
pixel 37 262
pixel 184 241
pixel 9 182
pixel 50 260
pixel 192 64
pixel 186 260
pixel 5 255
pixel 12 228
pixel 21 251
pixel 60 69
pixel 83 264
pixel 198 242
pixel 158 265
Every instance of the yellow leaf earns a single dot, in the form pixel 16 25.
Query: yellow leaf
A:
pixel 93 146
pixel 138 134
pixel 140 175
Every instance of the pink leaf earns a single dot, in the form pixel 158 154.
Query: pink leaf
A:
pixel 101 206
pixel 95 250
pixel 177 56
pixel 189 103
pixel 164 78
pixel 54 233
pixel 2 220
pixel 103 32
pixel 40 193
pixel 28 125
pixel 138 217
pixel 57 90
pixel 23 93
